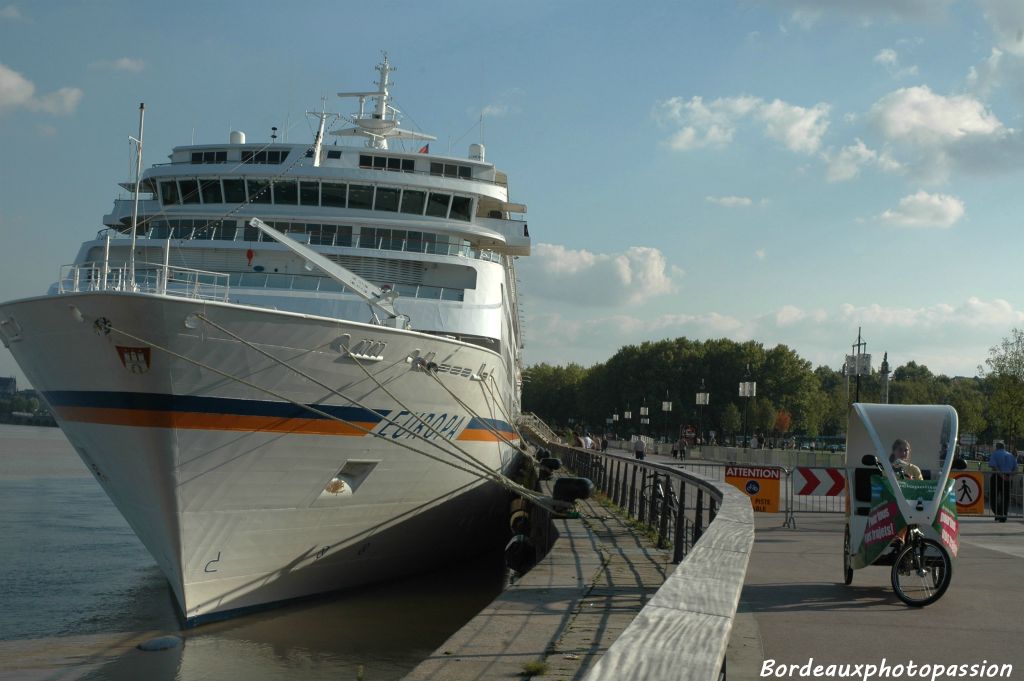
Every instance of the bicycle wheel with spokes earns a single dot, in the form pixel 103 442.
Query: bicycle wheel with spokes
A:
pixel 922 572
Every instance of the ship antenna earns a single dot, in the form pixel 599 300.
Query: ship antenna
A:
pixel 135 202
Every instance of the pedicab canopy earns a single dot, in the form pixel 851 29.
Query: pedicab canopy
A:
pixel 881 504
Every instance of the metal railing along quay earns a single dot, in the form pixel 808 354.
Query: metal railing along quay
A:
pixel 683 631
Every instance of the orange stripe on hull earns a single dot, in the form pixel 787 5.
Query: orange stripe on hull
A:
pixel 199 421
pixel 480 435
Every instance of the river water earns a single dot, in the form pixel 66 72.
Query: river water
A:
pixel 79 592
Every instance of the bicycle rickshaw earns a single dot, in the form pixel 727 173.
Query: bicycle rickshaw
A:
pixel 910 525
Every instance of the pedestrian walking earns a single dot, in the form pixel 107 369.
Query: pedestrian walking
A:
pixel 1003 465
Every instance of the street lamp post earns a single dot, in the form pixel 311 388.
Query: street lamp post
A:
pixel 702 399
pixel 666 407
pixel 748 389
pixel 643 416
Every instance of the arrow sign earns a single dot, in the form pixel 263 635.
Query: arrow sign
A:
pixel 819 482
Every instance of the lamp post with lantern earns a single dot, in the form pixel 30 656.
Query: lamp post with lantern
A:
pixel 702 400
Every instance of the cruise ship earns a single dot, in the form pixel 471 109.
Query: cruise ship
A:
pixel 294 368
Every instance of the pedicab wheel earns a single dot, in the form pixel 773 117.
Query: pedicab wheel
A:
pixel 847 568
pixel 922 572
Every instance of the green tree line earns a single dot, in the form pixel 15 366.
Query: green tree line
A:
pixel 793 398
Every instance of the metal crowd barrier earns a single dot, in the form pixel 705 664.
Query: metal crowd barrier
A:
pixel 678 507
pixel 820 481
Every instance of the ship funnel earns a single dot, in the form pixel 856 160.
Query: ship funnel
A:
pixel 237 137
pixel 476 152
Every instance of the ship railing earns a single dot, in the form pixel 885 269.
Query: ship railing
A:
pixel 403 245
pixel 156 278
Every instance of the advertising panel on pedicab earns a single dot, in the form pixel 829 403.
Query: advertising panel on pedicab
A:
pixel 886 522
pixel 760 483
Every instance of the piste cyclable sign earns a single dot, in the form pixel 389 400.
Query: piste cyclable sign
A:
pixel 760 483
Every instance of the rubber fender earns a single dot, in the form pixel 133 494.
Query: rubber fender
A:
pixel 519 522
pixel 551 463
pixel 571 489
pixel 520 553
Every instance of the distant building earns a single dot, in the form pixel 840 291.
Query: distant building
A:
pixel 8 386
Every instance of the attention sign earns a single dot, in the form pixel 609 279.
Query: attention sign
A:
pixel 760 483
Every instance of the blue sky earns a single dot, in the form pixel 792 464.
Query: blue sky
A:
pixel 785 171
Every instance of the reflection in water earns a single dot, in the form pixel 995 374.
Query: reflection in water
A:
pixel 81 592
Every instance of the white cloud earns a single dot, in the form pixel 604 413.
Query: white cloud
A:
pixel 890 59
pixel 607 279
pixel 713 124
pixel 61 102
pixel 729 201
pixel 808 13
pixel 10 12
pixel 925 210
pixel 972 313
pixel 937 134
pixel 847 163
pixel 16 92
pixel 918 115
pixel 987 76
pixel 760 254
pixel 1007 20
pixel 800 129
pixel 129 64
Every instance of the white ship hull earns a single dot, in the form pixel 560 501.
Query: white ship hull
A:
pixel 244 496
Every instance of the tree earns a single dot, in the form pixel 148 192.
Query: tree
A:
pixel 731 419
pixel 1006 375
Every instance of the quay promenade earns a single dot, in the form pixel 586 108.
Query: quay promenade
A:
pixel 606 603
pixel 794 611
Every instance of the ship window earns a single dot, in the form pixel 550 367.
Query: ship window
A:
pixel 451 170
pixel 263 157
pixel 189 191
pixel 334 153
pixel 158 229
pixel 210 189
pixel 365 161
pixel 380 161
pixel 321 235
pixel 225 231
pixel 209 157
pixel 286 192
pixel 368 238
pixel 408 165
pixel 309 193
pixel 413 201
pixel 360 196
pixel 394 164
pixel 234 191
pixel 169 193
pixel 387 199
pixel 460 208
pixel 437 205
pixel 344 237
pixel 259 191
pixel 183 230
pixel 333 194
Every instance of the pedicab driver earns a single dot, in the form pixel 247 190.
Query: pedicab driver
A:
pixel 900 459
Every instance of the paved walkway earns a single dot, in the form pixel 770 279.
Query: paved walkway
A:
pixel 795 607
pixel 565 612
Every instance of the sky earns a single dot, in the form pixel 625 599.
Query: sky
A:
pixel 783 171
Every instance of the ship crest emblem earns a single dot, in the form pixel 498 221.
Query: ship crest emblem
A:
pixel 135 360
